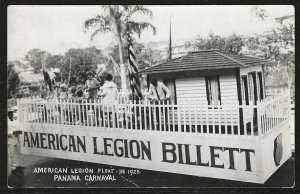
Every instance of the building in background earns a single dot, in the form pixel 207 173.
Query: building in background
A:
pixel 286 20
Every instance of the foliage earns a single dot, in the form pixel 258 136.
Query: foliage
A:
pixel 82 61
pixel 277 46
pixel 53 61
pixel 35 57
pixel 119 19
pixel 259 12
pixel 146 57
pixel 230 44
pixel 12 80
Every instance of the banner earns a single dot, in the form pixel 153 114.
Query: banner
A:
pixel 224 157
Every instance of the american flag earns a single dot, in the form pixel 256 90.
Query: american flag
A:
pixel 135 84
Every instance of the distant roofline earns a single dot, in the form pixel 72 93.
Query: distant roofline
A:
pixel 285 17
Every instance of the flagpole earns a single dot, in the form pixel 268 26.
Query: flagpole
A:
pixel 133 69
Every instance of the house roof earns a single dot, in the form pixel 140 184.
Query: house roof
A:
pixel 204 60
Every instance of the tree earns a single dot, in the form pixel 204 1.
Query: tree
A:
pixel 146 57
pixel 259 12
pixel 277 46
pixel 12 80
pixel 35 57
pixel 53 61
pixel 231 44
pixel 118 19
pixel 82 61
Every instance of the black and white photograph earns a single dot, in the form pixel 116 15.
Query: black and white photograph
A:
pixel 150 96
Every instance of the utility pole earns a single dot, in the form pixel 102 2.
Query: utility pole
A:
pixel 170 42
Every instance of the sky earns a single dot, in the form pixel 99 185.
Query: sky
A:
pixel 58 28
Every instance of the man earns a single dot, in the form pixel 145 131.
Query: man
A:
pixel 158 92
pixel 43 91
pixel 110 95
pixel 13 142
pixel 92 85
pixel 63 94
pixel 56 82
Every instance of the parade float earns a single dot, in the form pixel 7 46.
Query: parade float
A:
pixel 218 123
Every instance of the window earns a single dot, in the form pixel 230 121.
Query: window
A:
pixel 213 90
pixel 170 83
pixel 261 88
pixel 245 89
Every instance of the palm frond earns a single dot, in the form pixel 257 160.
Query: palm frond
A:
pixel 91 22
pixel 100 22
pixel 95 33
pixel 138 27
pixel 133 9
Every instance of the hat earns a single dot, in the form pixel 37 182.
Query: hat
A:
pixel 63 86
pixel 79 87
pixel 89 73
pixel 56 70
pixel 72 89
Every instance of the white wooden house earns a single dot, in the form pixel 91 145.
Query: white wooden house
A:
pixel 213 78
pixel 211 75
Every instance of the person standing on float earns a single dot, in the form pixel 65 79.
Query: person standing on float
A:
pixel 159 93
pixel 110 95
pixel 92 85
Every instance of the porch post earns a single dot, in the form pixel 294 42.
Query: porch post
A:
pixel 239 92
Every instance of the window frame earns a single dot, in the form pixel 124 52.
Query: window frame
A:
pixel 255 87
pixel 261 85
pixel 207 78
pixel 246 96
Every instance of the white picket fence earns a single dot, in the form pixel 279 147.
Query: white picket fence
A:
pixel 189 116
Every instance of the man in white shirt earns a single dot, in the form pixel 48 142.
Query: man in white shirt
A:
pixel 158 92
pixel 110 95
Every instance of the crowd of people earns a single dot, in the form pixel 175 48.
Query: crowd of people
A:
pixel 92 90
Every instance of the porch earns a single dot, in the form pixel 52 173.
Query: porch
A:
pixel 189 116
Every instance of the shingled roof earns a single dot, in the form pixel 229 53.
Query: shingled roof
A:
pixel 204 60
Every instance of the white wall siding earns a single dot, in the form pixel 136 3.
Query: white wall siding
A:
pixel 191 89
pixel 228 87
pixel 195 89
